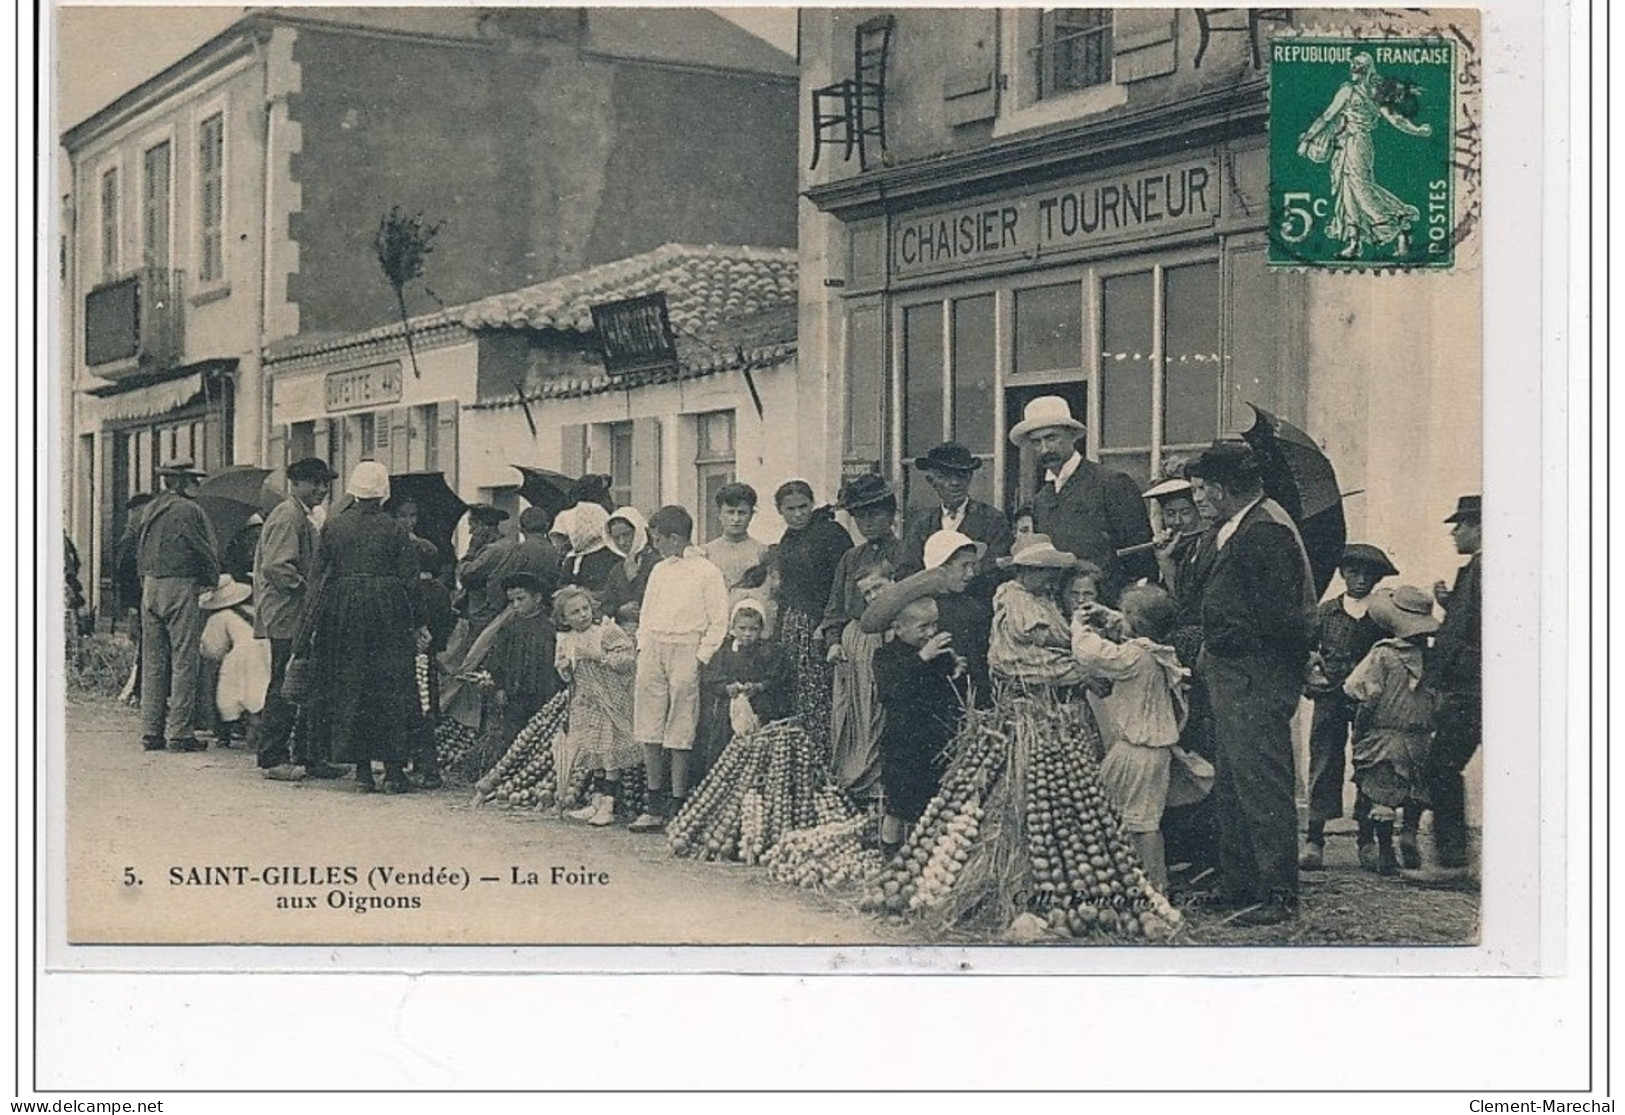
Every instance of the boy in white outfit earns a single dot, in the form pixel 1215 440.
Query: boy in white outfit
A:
pixel 683 622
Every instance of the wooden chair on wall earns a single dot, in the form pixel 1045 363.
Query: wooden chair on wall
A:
pixel 851 111
pixel 1256 18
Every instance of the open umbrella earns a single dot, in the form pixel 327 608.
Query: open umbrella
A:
pixel 546 489
pixel 439 508
pixel 1299 476
pixel 233 494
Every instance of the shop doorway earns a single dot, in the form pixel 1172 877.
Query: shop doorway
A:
pixel 1021 475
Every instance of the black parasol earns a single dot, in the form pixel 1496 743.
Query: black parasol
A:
pixel 1299 476
pixel 439 508
pixel 231 496
pixel 544 488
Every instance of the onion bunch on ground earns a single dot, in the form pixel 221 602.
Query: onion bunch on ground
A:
pixel 827 856
pixel 764 784
pixel 524 775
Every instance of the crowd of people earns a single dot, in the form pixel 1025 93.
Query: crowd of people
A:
pixel 1181 621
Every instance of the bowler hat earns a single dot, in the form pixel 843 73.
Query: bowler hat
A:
pixel 1037 551
pixel 522 579
pixel 180 466
pixel 1044 413
pixel 1469 509
pixel 1404 611
pixel 867 489
pixel 311 470
pixel 485 513
pixel 950 456
pixel 1225 462
pixel 1358 553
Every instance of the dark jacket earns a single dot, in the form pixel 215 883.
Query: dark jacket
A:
pixel 970 622
pixel 923 705
pixel 1097 513
pixel 1455 665
pixel 845 602
pixel 1258 599
pixel 807 562
pixel 620 590
pixel 174 539
pixel 982 523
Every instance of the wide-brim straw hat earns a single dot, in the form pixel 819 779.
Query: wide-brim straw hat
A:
pixel 228 593
pixel 368 480
pixel 1037 551
pixel 883 611
pixel 1403 611
pixel 1044 413
pixel 1169 489
pixel 944 544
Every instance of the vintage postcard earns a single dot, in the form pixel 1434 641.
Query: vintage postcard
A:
pixel 850 478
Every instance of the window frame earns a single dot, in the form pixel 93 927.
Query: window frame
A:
pixel 109 270
pixel 1021 107
pixel 206 282
pixel 1042 49
pixel 708 463
pixel 150 142
pixel 1088 277
pixel 620 494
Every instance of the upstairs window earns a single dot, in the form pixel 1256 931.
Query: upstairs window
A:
pixel 155 168
pixel 109 219
pixel 1074 50
pixel 211 142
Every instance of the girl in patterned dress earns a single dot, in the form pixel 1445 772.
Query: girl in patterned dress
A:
pixel 598 660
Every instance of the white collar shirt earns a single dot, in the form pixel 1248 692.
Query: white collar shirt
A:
pixel 1059 479
pixel 1230 524
pixel 951 520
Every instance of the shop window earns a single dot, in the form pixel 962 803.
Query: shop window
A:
pixel 1160 364
pixel 110 224
pixel 1049 328
pixel 211 198
pixel 620 463
pixel 923 387
pixel 714 461
pixel 155 166
pixel 301 443
pixel 1074 50
pixel 367 436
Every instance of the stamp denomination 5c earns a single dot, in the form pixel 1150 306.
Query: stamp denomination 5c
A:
pixel 1361 134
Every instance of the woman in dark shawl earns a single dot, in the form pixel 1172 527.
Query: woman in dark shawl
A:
pixel 808 555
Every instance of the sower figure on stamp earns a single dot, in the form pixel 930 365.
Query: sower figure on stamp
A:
pixel 1343 635
pixel 1090 511
pixel 283 563
pixel 1454 669
pixel 177 557
pixel 1255 647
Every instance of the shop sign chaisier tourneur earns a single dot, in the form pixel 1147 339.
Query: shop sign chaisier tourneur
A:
pixel 1065 218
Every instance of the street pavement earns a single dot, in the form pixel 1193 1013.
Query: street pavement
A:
pixel 199 848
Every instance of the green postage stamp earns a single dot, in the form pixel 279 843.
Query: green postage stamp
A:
pixel 1362 134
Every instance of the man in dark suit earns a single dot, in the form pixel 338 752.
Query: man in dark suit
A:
pixel 283 561
pixel 948 468
pixel 1088 510
pixel 1454 668
pixel 1256 607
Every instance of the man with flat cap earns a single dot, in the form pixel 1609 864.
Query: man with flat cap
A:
pixel 478 573
pixel 948 468
pixel 178 557
pixel 283 562
pixel 1455 669
pixel 1090 511
pixel 1256 607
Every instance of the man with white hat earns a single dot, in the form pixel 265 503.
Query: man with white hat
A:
pixel 1090 511
pixel 177 556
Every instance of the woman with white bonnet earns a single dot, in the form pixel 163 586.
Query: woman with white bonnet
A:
pixel 362 633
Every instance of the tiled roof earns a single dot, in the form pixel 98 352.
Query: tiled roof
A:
pixel 704 285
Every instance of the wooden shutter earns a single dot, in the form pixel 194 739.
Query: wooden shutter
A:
pixel 573 450
pixel 276 456
pixel 400 440
pixel 970 79
pixel 646 464
pixel 446 448
pixel 1143 42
